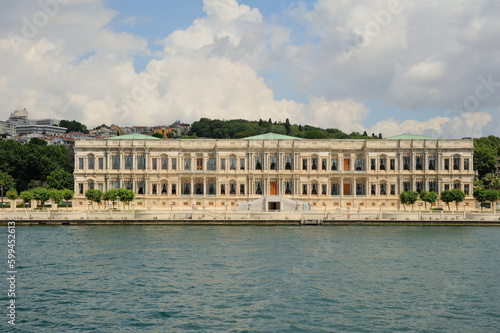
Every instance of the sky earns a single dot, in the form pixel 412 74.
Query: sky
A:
pixel 382 66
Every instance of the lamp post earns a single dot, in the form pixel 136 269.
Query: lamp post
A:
pixel 380 211
pixel 464 210
pixel 419 213
pixel 171 209
pixel 441 210
pixel 359 211
pixel 324 204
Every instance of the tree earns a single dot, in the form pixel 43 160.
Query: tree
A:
pixel 458 196
pixel 157 135
pixel 428 197
pixel 7 182
pixel 408 197
pixel 56 196
pixel 73 126
pixel 287 126
pixel 67 194
pixel 111 195
pixel 94 196
pixel 480 195
pixel 12 195
pixel 60 179
pixel 41 194
pixel 447 197
pixel 27 196
pixel 492 196
pixel 126 195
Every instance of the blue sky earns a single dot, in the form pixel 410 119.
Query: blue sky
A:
pixel 382 66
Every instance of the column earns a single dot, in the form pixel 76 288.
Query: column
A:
pixel 341 189
pixel 354 187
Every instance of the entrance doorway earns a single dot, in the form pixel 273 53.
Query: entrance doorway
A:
pixel 347 189
pixel 274 206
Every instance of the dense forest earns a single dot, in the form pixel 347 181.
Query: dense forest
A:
pixel 26 166
pixel 240 128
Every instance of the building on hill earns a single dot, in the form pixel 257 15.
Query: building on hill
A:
pixel 326 174
pixel 163 130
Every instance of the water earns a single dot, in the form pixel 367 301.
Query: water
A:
pixel 256 279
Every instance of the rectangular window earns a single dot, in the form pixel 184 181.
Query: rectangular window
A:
pixel 466 164
pixel 155 164
pixel 372 164
pixel 101 163
pixel 242 164
pixel 392 164
pixel 288 187
pixel 382 164
pixel 128 162
pixel 274 165
pixel 359 164
pixel 323 189
pixel 91 185
pixel 447 164
pixel 128 184
pixel 258 187
pixel 406 186
pixel 232 163
pixel 164 163
pixel 153 189
pixel 174 188
pixel 223 189
pixel 164 190
pixel 232 188
pixel 211 164
pixel 373 189
pixel 393 189
pixel 432 187
pixel 419 186
pixel 223 164
pixel 347 164
pixel 432 163
pixel 304 189
pixel 91 163
pixel 187 164
pixel 335 190
pixel 140 187
pixel 288 162
pixel 447 187
pixel 314 163
pixel 199 164
pixel 456 186
pixel 186 189
pixel 314 189
pixel 115 161
pixel 174 163
pixel 242 189
pixel 258 162
pixel 456 163
pixel 418 163
pixel 211 189
pixel 80 163
pixel 406 162
pixel 323 164
pixel 100 186
pixel 382 189
pixel 304 164
pixel 466 189
pixel 115 185
pixel 334 164
pixel 359 189
pixel 80 188
pixel 141 162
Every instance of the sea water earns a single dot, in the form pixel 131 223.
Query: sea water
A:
pixel 255 279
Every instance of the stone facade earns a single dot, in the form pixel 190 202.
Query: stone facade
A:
pixel 221 174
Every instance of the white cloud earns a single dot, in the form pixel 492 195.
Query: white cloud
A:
pixel 419 55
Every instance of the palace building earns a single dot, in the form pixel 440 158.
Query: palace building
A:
pixel 282 170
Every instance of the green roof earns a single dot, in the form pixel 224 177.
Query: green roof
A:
pixel 272 136
pixel 407 136
pixel 134 137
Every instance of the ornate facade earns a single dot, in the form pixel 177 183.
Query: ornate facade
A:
pixel 214 174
